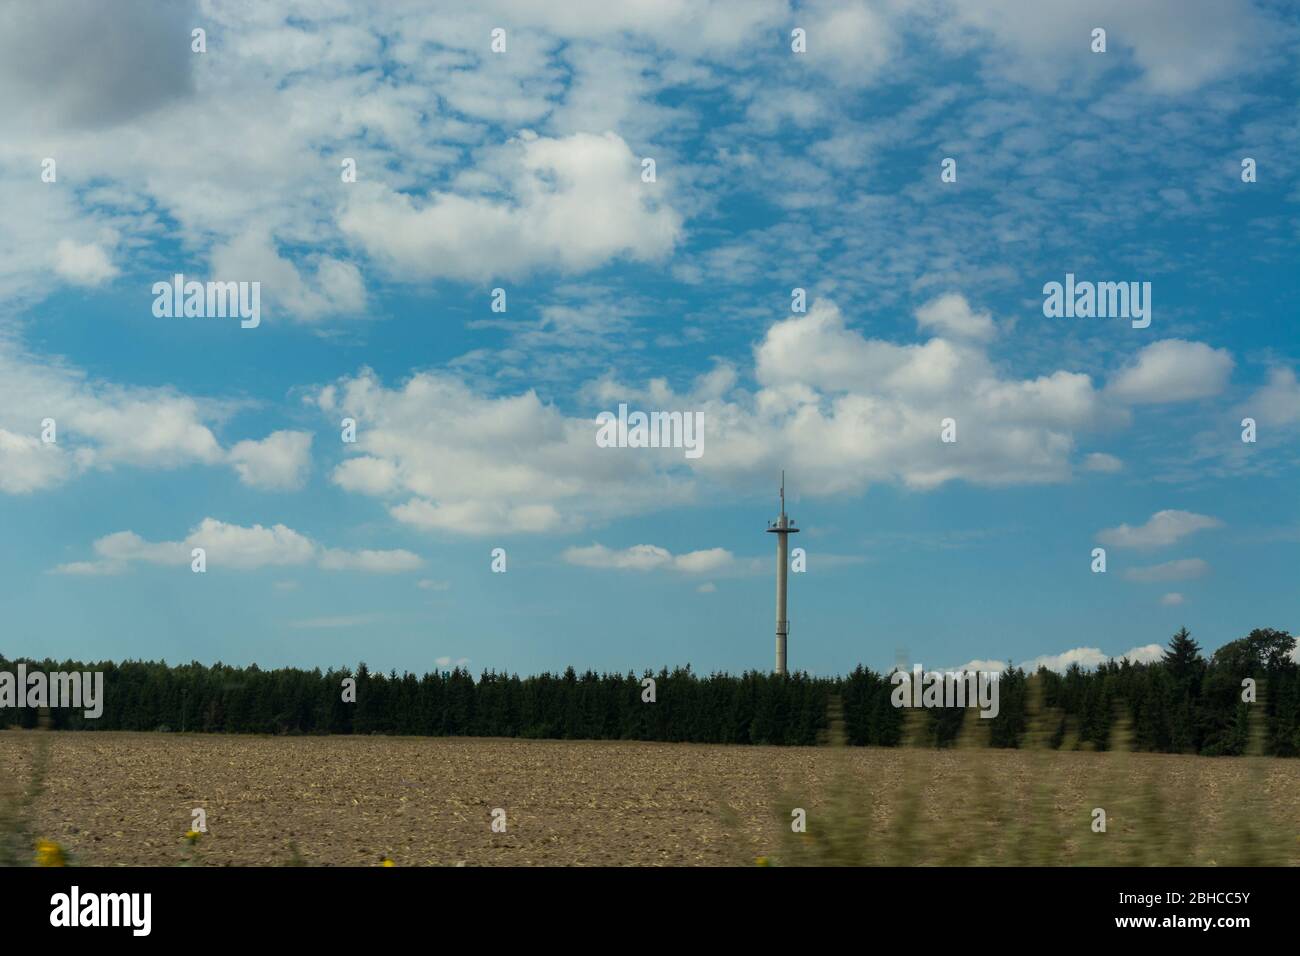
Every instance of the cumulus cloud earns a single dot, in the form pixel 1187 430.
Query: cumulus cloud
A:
pixel 573 203
pixel 237 547
pixel 376 562
pixel 368 475
pixel 1277 402
pixel 649 557
pixel 849 41
pixel 28 464
pixel 1173 370
pixel 97 424
pixel 90 568
pixel 83 263
pixel 101 425
pixel 951 314
pixel 1102 462
pixel 278 462
pixel 1180 570
pixel 1172 599
pixel 1085 657
pixel 447 458
pixel 477 517
pixel 323 287
pixel 1162 529
pixel 1092 656
pixel 852 410
pixel 988 666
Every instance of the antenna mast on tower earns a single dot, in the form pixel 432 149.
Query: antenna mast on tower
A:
pixel 783 528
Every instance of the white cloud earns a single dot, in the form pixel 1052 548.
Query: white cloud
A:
pixel 84 264
pixel 229 545
pixel 852 410
pixel 649 557
pixel 573 203
pixel 377 562
pixel 1162 529
pixel 100 425
pixel 1043 45
pixel 987 666
pixel 849 41
pixel 125 546
pixel 367 475
pixel 237 547
pixel 952 314
pixel 332 287
pixel 639 557
pixel 27 464
pixel 1172 599
pixel 477 517
pixel 1102 462
pixel 1085 657
pixel 1092 656
pixel 449 459
pixel 1173 370
pixel 704 562
pixel 306 91
pixel 428 584
pixel 90 568
pixel 1146 654
pixel 1180 570
pixel 278 462
pixel 1278 402
pixel 708 587
pixel 445 456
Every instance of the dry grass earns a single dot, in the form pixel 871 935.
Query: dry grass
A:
pixel 119 798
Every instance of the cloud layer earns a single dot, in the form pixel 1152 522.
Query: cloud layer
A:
pixel 238 548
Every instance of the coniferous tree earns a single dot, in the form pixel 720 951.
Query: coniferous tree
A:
pixel 1181 702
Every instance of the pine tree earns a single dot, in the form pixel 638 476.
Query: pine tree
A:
pixel 1183 658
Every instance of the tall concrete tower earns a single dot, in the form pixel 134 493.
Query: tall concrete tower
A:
pixel 783 528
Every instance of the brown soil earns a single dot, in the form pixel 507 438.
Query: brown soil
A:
pixel 127 799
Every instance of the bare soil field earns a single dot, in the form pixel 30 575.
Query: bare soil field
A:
pixel 126 799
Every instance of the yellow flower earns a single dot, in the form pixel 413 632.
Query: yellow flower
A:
pixel 387 862
pixel 193 836
pixel 763 861
pixel 49 853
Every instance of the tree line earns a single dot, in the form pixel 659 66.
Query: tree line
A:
pixel 1182 703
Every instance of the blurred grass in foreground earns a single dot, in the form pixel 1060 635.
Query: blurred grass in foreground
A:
pixel 19 844
pixel 972 806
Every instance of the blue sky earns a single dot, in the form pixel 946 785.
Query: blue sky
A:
pixel 522 170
